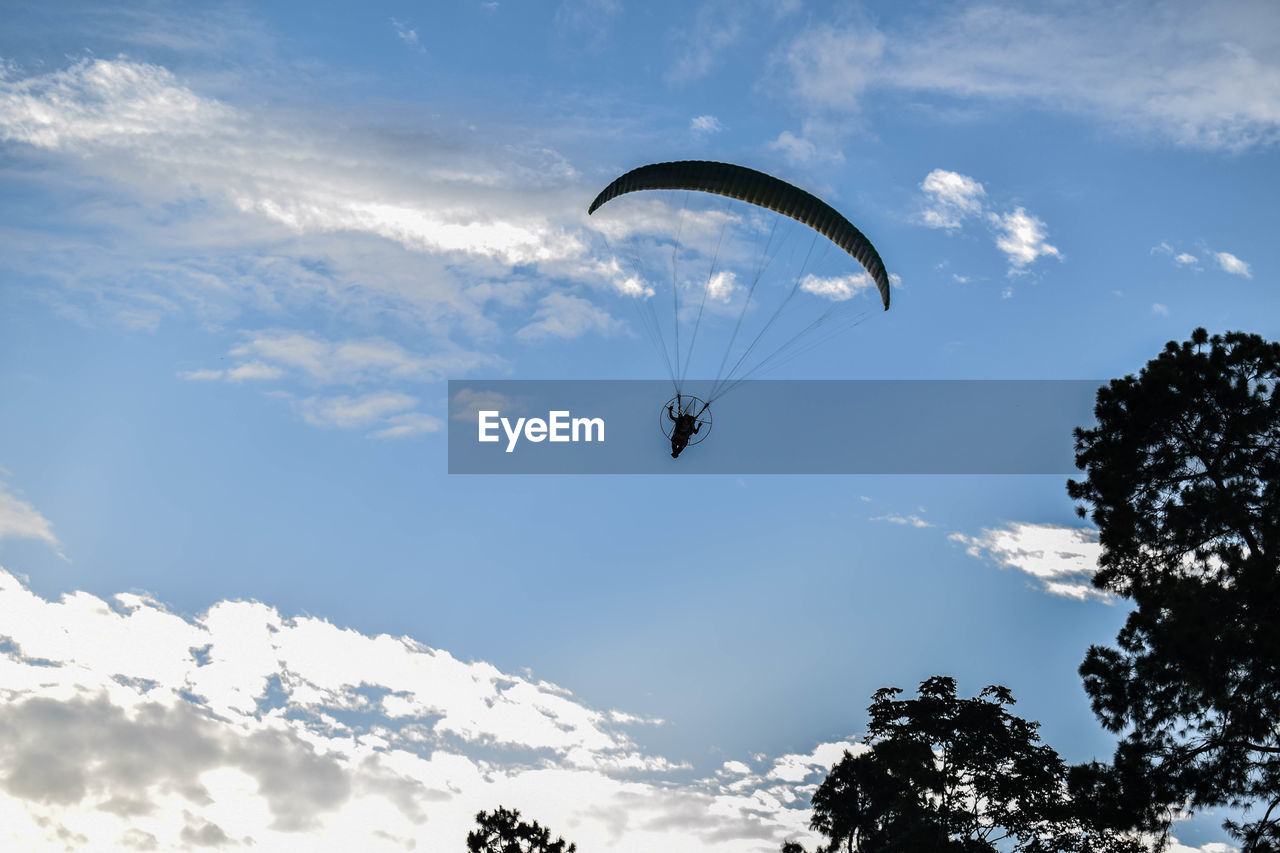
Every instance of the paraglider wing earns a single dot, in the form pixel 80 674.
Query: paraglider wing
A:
pixel 759 189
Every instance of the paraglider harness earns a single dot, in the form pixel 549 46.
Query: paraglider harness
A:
pixel 687 425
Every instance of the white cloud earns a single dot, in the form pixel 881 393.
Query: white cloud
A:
pixel 905 520
pixel 291 216
pixel 829 67
pixel 1062 559
pixel 796 149
pixel 1226 261
pixel 837 289
pixel 247 372
pixel 407 35
pixel 278 354
pixel 627 283
pixel 105 103
pixel 952 198
pixel 563 315
pixel 273 355
pixel 408 425
pixel 346 412
pixel 1199 74
pixel 1230 263
pixel 1176 846
pixel 126 726
pixel 718 27
pixel 202 375
pixel 797 768
pixel 467 404
pixel 819 142
pixel 1021 236
pixel 703 125
pixel 721 286
pixel 286 211
pixel 252 371
pixel 1161 309
pixel 269 354
pixel 20 520
pixel 587 23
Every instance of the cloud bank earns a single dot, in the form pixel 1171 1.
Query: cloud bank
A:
pixel 125 726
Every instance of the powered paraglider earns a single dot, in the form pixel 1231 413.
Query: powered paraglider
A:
pixel 745 253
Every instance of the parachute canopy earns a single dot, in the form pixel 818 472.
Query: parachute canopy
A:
pixel 756 188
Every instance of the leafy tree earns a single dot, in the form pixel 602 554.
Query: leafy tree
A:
pixel 1183 477
pixel 502 831
pixel 949 774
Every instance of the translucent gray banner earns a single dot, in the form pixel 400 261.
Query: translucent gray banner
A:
pixel 769 427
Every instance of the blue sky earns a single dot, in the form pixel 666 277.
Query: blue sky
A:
pixel 244 247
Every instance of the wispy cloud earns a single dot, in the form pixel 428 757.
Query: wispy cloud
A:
pixel 379 414
pixel 467 404
pixel 346 412
pixel 563 315
pixel 912 520
pixel 705 125
pixel 812 145
pixel 829 68
pixel 1199 74
pixel 272 357
pixel 717 27
pixel 281 219
pixel 243 726
pixel 587 22
pixel 1062 559
pixel 21 520
pixel 348 361
pixel 309 210
pixel 408 35
pixel 407 425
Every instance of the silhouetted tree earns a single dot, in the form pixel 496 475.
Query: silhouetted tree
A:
pixel 1183 478
pixel 949 774
pixel 502 831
